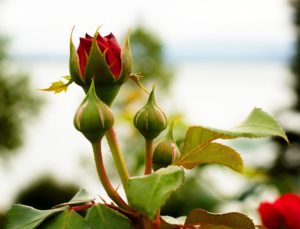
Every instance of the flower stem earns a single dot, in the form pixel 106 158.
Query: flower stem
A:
pixel 112 193
pixel 148 157
pixel 117 156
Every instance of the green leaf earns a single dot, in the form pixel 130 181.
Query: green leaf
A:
pixel 20 216
pixel 148 193
pixel 212 153
pixel 67 78
pixel 81 197
pixel 198 147
pixel 208 220
pixel 58 86
pixel 101 216
pixel 66 220
pixel 258 124
pixel 198 137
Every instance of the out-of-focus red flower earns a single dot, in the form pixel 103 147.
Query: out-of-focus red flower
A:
pixel 284 213
pixel 109 47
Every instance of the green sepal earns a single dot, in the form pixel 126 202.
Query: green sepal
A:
pixel 107 93
pixel 74 63
pixel 96 67
pixel 126 61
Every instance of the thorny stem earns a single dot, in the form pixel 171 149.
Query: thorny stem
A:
pixel 117 156
pixel 112 193
pixel 148 157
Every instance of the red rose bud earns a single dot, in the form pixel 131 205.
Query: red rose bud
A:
pixel 93 117
pixel 150 120
pixel 283 213
pixel 102 59
pixel 166 151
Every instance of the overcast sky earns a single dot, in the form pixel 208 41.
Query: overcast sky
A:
pixel 43 26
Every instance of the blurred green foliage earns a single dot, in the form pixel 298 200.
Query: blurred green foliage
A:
pixel 192 195
pixel 18 101
pixel 148 57
pixel 285 171
pixel 46 193
pixel 295 62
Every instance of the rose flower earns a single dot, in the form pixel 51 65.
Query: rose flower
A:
pixel 101 59
pixel 284 213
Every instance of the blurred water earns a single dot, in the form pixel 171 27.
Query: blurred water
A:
pixel 211 94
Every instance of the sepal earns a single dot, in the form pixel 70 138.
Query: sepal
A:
pixel 96 67
pixel 74 64
pixel 126 60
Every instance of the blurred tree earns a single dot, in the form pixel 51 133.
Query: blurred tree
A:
pixel 148 61
pixel 193 194
pixel 46 193
pixel 18 105
pixel 148 57
pixel 18 102
pixel 285 171
pixel 295 63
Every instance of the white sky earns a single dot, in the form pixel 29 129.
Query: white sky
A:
pixel 43 26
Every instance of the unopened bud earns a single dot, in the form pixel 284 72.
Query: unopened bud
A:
pixel 93 117
pixel 166 151
pixel 150 120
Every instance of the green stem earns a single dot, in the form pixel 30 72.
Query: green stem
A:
pixel 112 193
pixel 117 156
pixel 148 157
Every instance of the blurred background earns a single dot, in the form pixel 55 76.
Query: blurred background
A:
pixel 212 62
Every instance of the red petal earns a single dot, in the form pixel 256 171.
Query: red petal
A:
pixel 113 44
pixel 288 206
pixel 102 43
pixel 113 62
pixel 83 51
pixel 116 69
pixel 269 215
pixel 110 57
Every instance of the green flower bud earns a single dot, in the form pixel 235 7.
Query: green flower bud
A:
pixel 93 117
pixel 150 120
pixel 166 151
